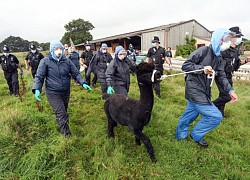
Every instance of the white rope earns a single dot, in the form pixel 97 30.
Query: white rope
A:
pixel 211 76
pixel 153 76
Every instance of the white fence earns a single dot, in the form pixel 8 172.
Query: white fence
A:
pixel 242 74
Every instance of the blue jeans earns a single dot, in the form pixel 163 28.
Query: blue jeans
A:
pixel 211 118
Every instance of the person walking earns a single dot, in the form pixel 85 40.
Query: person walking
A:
pixel 98 65
pixel 232 63
pixel 10 64
pixel 85 59
pixel 118 72
pixel 33 59
pixel 156 55
pixel 205 60
pixel 57 70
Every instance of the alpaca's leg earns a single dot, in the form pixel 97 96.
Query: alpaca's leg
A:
pixel 137 141
pixel 146 142
pixel 111 122
pixel 111 125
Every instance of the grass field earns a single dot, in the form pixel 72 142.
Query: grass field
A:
pixel 31 146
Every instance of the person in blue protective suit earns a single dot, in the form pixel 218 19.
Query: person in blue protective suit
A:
pixel 99 64
pixel 74 57
pixel 57 70
pixel 208 60
pixel 118 72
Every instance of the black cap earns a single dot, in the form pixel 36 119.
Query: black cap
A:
pixel 32 47
pixel 155 39
pixel 237 30
pixel 6 49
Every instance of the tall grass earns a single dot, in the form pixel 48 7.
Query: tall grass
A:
pixel 31 146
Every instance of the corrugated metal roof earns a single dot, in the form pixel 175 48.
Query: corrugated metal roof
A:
pixel 138 33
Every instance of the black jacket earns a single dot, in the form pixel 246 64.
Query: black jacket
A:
pixel 34 59
pixel 118 72
pixel 87 56
pixel 232 61
pixel 198 88
pixel 99 64
pixel 9 63
pixel 57 74
pixel 157 55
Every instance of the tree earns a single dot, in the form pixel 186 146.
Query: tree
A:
pixel 246 44
pixel 16 44
pixel 44 46
pixel 185 50
pixel 78 31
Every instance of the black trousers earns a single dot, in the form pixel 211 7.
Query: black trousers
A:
pixel 223 98
pixel 158 67
pixel 12 81
pixel 33 72
pixel 94 80
pixel 103 84
pixel 59 103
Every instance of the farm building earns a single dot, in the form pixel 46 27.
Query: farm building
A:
pixel 170 35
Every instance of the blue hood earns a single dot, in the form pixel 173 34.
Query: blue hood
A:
pixel 216 38
pixel 54 44
pixel 118 49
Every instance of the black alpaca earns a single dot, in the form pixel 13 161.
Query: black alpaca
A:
pixel 133 113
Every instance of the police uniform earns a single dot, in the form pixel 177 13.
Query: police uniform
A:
pixel 87 56
pixel 231 64
pixel 34 60
pixel 131 54
pixel 9 65
pixel 157 56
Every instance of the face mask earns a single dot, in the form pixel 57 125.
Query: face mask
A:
pixel 121 56
pixel 58 52
pixel 33 51
pixel 225 45
pixel 6 54
pixel 87 48
pixel 104 51
pixel 153 44
pixel 238 41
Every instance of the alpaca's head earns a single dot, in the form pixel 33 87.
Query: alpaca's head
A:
pixel 146 73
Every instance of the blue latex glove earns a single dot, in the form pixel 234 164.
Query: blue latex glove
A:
pixel 37 94
pixel 85 86
pixel 110 90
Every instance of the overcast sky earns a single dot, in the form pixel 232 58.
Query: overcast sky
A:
pixel 44 20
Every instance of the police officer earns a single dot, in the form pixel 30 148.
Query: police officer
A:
pixel 131 54
pixel 156 55
pixel 99 64
pixel 232 63
pixel 85 60
pixel 33 59
pixel 74 57
pixel 10 64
